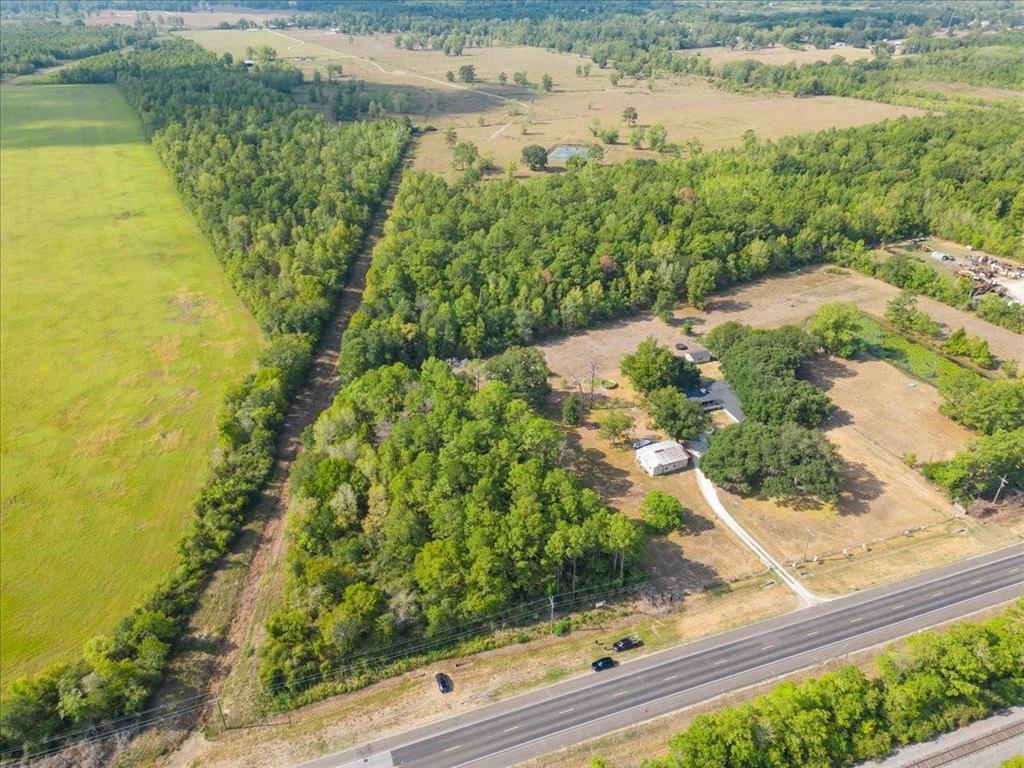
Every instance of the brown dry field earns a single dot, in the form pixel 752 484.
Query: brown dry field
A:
pixel 412 699
pixel 777 54
pixel 881 414
pixel 688 107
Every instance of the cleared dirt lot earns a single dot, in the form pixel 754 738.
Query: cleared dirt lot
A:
pixel 768 303
pixel 513 116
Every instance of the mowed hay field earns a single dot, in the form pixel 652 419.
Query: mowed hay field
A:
pixel 120 336
pixel 494 117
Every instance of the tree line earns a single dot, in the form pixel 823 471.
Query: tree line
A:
pixel 28 45
pixel 465 270
pixel 285 199
pixel 424 503
pixel 995 61
pixel 931 683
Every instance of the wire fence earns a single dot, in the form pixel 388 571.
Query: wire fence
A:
pixel 380 660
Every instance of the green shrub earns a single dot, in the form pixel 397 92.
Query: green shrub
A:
pixel 662 512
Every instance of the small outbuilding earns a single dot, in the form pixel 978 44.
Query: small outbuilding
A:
pixel 697 355
pixel 662 457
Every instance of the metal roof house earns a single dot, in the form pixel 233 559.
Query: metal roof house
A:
pixel 662 457
pixel 697 355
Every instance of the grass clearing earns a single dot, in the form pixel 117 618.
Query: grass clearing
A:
pixel 492 115
pixel 120 337
pixel 777 55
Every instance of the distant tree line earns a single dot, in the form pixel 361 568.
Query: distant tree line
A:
pixel 993 61
pixel 929 684
pixel 467 270
pixel 285 199
pixel 424 504
pixel 26 46
pixel 640 38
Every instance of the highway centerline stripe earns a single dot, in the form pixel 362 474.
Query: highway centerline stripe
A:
pixel 568 709
pixel 511 728
pixel 457 746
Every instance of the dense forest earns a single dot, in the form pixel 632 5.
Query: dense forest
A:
pixel 934 682
pixel 285 198
pixel 425 504
pixel 26 46
pixel 465 271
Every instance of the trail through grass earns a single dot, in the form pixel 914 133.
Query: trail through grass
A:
pixel 120 336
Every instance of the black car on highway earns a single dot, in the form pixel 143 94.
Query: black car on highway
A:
pixel 444 683
pixel 627 643
pixel 605 662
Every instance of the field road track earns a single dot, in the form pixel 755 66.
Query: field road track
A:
pixel 591 705
pixel 409 74
pixel 263 544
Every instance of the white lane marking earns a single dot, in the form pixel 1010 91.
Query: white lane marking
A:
pixel 457 746
pixel 812 634
pixel 855 619
pixel 620 693
pixel 940 593
pixel 719 663
pixel 767 646
pixel 511 728
pixel 670 677
pixel 977 581
pixel 897 607
pixel 567 709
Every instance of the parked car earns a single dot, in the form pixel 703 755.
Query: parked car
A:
pixel 636 445
pixel 627 643
pixel 711 405
pixel 681 347
pixel 605 662
pixel 444 683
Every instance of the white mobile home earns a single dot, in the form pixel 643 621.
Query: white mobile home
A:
pixel 662 457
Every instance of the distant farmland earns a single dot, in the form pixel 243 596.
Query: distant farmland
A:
pixel 501 119
pixel 120 335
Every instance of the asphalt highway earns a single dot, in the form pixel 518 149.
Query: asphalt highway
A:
pixel 653 685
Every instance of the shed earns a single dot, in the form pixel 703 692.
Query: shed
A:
pixel 662 457
pixel 697 355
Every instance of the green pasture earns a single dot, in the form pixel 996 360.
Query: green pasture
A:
pixel 119 336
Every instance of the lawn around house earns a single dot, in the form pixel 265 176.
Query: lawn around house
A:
pixel 120 337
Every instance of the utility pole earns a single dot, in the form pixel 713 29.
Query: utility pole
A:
pixel 551 619
pixel 1002 484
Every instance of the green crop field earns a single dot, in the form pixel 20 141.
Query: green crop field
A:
pixel 120 336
